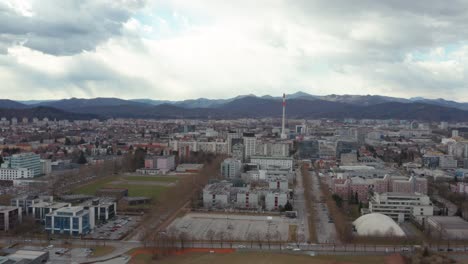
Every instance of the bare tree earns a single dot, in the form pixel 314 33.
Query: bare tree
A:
pixel 220 235
pixel 210 234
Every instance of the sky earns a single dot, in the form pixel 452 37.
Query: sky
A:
pixel 185 49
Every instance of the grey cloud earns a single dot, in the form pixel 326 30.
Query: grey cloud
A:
pixel 66 27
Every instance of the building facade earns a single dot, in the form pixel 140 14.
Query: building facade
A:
pixel 69 220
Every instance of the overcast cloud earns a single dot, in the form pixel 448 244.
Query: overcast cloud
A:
pixel 182 49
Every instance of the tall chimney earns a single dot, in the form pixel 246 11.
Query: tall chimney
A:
pixel 283 133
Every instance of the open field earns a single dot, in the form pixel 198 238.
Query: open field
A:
pixel 151 178
pixel 100 251
pixel 92 187
pixel 259 258
pixel 150 186
pixel 242 227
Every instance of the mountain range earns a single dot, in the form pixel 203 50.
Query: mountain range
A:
pixel 299 105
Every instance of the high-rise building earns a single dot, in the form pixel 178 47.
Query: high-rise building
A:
pixel 231 168
pixel 250 143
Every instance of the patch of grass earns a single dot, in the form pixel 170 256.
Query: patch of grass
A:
pixel 151 178
pixel 92 187
pixel 142 259
pixel 151 191
pixel 266 258
pixel 141 190
pixel 100 251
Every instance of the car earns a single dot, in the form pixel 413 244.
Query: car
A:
pixel 50 246
pixel 240 246
pixel 296 249
pixel 404 249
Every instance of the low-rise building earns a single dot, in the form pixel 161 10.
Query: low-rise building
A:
pixel 402 206
pixel 41 209
pixel 10 217
pixel 26 201
pixel 217 195
pixel 100 210
pixel 13 174
pixel 270 162
pixel 69 220
pixel 447 227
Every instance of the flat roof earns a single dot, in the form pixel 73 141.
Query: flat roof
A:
pixel 26 254
pixel 450 222
pixel 4 208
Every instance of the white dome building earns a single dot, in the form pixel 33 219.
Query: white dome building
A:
pixel 376 224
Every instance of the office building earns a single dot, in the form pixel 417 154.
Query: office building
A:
pixel 24 161
pixel 10 217
pixel 401 206
pixel 73 220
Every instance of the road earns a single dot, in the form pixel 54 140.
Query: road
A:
pixel 326 232
pixel 303 248
pixel 300 207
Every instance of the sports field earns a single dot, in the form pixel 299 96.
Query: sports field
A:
pixel 150 186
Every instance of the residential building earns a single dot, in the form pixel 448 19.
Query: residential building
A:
pixel 46 166
pixel 401 184
pixel 13 174
pixel 250 142
pixel 217 195
pixel 269 162
pixel 247 199
pixel 275 200
pixel 277 183
pixel 231 168
pixel 166 163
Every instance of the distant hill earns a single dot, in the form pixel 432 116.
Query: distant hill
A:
pixel 41 112
pixel 79 105
pixel 5 103
pixel 299 105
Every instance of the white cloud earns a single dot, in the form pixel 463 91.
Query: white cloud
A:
pixel 217 49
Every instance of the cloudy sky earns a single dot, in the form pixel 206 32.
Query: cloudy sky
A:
pixel 183 49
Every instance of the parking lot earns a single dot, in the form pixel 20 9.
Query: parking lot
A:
pixel 204 226
pixel 115 228
pixel 62 255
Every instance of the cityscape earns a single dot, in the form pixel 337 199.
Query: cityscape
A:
pixel 144 131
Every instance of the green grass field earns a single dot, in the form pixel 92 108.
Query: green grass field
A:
pixel 260 258
pixel 151 178
pixel 92 187
pixel 142 189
